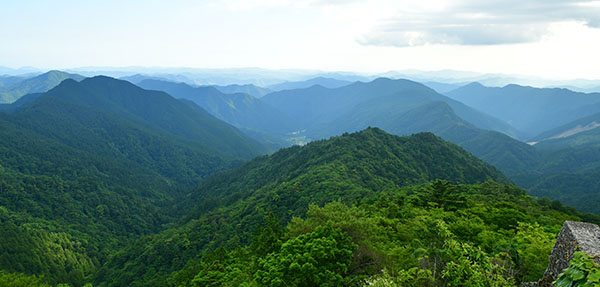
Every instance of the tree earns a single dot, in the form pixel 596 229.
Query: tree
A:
pixel 442 194
pixel 318 258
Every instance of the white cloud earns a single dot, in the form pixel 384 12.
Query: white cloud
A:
pixel 475 22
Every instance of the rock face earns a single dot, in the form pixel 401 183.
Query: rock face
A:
pixel 574 236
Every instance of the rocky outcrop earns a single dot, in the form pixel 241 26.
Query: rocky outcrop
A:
pixel 574 236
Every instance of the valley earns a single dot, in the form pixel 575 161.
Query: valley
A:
pixel 159 183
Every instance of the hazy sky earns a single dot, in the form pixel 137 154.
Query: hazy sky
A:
pixel 548 38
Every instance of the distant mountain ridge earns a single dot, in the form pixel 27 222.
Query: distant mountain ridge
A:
pixel 531 110
pixel 402 107
pixel 320 105
pixel 241 110
pixel 37 84
pixel 326 82
pixel 253 90
pixel 570 130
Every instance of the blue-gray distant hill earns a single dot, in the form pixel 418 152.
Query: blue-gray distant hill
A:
pixel 255 91
pixel 6 80
pixel 581 132
pixel 37 84
pixel 319 105
pixel 530 110
pixel 137 78
pixel 241 110
pixel 402 107
pixel 321 81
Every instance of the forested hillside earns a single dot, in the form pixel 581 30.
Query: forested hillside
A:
pixel 414 207
pixel 89 166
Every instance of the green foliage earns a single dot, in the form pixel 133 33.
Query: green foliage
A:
pixel 89 166
pixel 532 245
pixel 319 258
pixel 443 195
pixel 362 184
pixel 470 266
pixel 226 208
pixel 582 272
pixel 20 280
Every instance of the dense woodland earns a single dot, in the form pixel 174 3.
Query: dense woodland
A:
pixel 104 183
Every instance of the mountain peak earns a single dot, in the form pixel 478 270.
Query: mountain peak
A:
pixel 475 84
pixel 366 161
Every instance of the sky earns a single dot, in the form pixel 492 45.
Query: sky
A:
pixel 544 38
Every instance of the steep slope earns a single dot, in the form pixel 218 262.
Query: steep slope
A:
pixel 320 81
pixel 240 110
pixel 578 137
pixel 255 91
pixel 581 132
pixel 580 190
pixel 531 110
pixel 567 171
pixel 158 110
pixel 319 106
pixel 37 84
pixel 226 208
pixel 88 166
pixel 498 149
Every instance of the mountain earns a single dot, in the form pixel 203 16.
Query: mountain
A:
pixel 320 81
pixel 37 84
pixel 240 110
pixel 530 110
pixel 158 110
pixel 581 132
pixel 318 105
pixel 10 80
pixel 137 78
pixel 569 175
pixel 226 208
pixel 403 107
pixel 577 189
pixel 569 165
pixel 250 89
pixel 88 166
pixel 255 91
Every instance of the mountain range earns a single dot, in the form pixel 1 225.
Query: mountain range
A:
pixel 241 110
pixel 146 182
pixel 320 81
pixel 530 110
